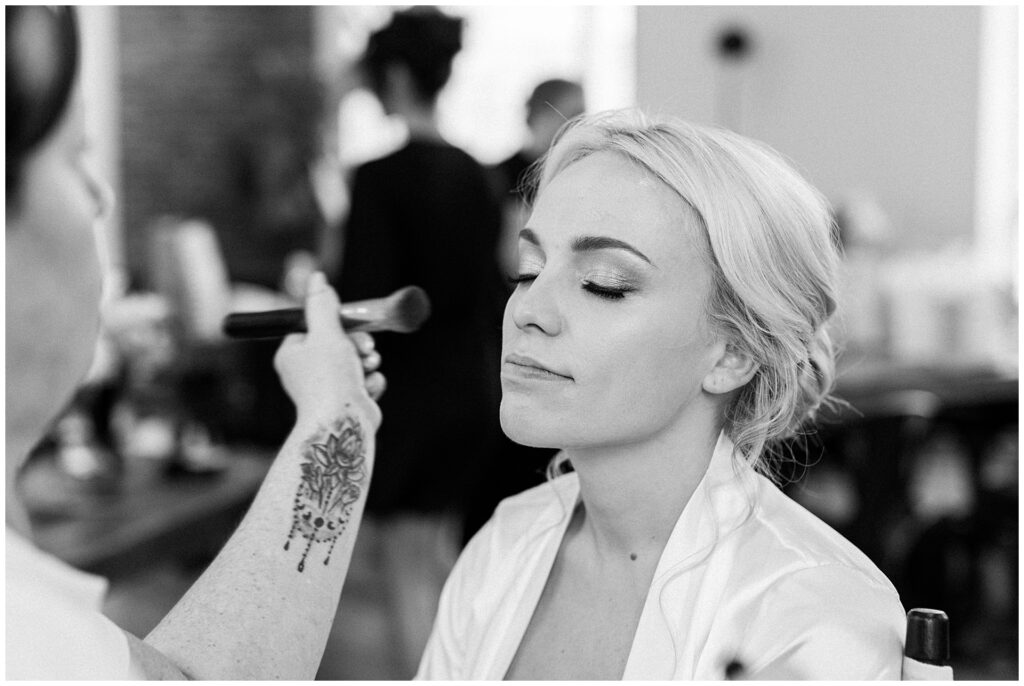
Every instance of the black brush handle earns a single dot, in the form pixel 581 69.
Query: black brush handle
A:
pixel 269 324
pixel 402 311
pixel 280 323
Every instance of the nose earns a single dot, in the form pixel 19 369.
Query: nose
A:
pixel 535 306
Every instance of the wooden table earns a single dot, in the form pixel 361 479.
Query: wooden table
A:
pixel 145 515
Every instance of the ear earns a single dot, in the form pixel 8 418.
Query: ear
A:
pixel 733 370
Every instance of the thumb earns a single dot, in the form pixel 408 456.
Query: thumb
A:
pixel 322 306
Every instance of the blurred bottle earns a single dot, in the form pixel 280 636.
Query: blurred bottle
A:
pixel 79 453
pixel 189 270
pixel 143 420
pixel 197 452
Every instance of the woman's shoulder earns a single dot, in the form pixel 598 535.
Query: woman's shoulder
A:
pixel 807 600
pixel 803 541
pixel 823 622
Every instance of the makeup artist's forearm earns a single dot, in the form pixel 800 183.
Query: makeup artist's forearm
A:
pixel 264 608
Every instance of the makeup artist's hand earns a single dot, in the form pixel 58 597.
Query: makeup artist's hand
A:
pixel 375 381
pixel 327 373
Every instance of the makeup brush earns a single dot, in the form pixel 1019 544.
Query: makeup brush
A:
pixel 403 311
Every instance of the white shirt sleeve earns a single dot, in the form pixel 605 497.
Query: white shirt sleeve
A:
pixel 54 627
pixel 827 622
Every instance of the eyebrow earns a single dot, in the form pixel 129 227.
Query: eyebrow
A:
pixel 587 243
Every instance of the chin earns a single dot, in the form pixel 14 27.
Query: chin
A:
pixel 534 432
pixel 519 427
pixel 528 439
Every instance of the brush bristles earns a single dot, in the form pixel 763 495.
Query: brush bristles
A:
pixel 411 309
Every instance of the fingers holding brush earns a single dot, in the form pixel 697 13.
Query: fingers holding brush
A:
pixel 375 382
pixel 367 350
pixel 324 371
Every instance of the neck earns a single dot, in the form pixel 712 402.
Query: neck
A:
pixel 634 494
pixel 421 119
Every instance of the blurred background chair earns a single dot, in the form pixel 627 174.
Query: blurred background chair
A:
pixel 922 476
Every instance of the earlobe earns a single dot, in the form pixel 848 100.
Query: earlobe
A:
pixel 733 370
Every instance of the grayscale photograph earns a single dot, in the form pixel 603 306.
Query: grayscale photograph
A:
pixel 555 342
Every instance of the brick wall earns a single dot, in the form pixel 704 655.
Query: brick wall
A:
pixel 218 113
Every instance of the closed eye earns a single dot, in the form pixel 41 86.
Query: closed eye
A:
pixel 604 292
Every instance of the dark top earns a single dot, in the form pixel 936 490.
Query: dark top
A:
pixel 425 216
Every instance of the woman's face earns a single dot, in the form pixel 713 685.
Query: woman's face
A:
pixel 53 271
pixel 605 339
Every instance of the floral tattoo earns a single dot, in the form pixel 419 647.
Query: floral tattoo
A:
pixel 332 478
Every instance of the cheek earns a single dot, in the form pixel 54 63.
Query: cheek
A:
pixel 641 370
pixel 641 377
pixel 62 209
pixel 658 379
pixel 635 375
pixel 57 190
pixel 74 247
pixel 64 251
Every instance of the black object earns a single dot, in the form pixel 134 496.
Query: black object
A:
pixel 403 311
pixel 734 43
pixel 927 636
pixel 272 324
pixel 424 40
pixel 426 214
pixel 735 670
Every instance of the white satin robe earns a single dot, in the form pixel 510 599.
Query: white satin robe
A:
pixel 746 574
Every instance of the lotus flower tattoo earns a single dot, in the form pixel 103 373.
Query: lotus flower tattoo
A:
pixel 332 478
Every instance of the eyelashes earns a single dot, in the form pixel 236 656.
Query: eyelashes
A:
pixel 604 292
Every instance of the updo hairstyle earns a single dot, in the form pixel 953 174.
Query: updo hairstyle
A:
pixel 770 241
pixel 421 38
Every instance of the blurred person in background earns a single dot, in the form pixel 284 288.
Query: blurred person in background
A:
pixel 668 329
pixel 552 103
pixel 263 609
pixel 425 215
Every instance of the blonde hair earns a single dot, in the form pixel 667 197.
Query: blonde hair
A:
pixel 771 244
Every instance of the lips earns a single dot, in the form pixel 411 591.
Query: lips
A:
pixel 527 366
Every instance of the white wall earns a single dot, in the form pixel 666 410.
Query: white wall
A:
pixel 877 98
pixel 509 49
